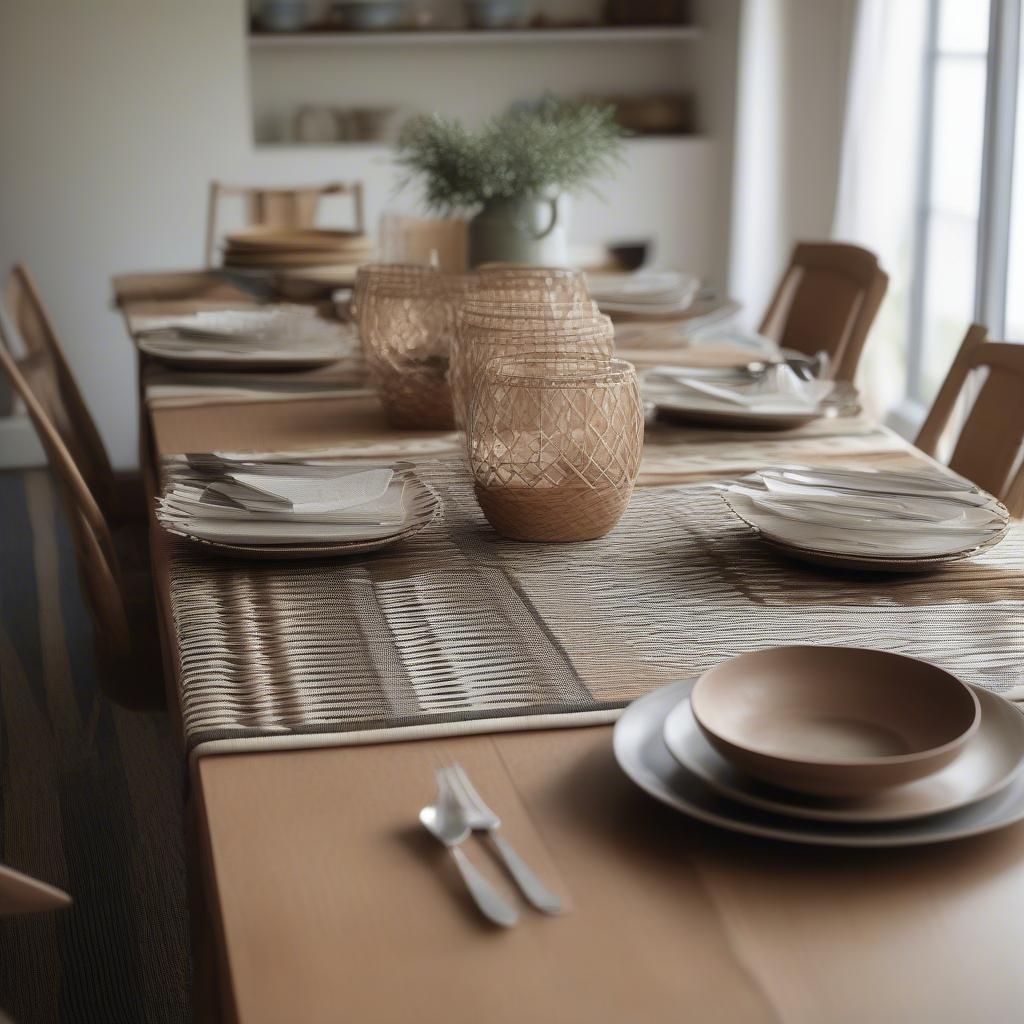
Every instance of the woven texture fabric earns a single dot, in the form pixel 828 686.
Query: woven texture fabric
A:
pixel 460 630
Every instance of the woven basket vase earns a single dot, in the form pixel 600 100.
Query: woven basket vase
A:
pixel 554 444
pixel 406 327
pixel 486 331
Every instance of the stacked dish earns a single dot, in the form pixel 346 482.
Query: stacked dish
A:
pixel 304 263
pixel 285 337
pixel 759 396
pixel 871 520
pixel 645 294
pixel 245 505
pixel 830 745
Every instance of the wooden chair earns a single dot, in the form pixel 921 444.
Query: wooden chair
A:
pixel 279 207
pixel 989 448
pixel 22 894
pixel 46 371
pixel 121 601
pixel 827 301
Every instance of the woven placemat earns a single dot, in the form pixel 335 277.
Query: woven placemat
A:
pixel 460 631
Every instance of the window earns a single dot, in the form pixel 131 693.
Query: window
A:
pixel 968 258
pixel 949 189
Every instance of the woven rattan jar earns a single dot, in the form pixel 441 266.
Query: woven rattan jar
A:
pixel 554 444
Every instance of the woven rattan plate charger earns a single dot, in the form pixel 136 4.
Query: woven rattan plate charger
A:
pixel 424 507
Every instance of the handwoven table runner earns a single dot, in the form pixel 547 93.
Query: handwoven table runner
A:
pixel 460 631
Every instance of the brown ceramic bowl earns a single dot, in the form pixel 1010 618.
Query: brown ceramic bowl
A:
pixel 834 721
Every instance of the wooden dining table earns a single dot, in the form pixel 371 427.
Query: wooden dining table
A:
pixel 319 898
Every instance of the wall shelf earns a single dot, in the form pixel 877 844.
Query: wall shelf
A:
pixel 481 37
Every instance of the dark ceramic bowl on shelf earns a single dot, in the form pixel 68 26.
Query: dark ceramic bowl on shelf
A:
pixel 496 14
pixel 373 16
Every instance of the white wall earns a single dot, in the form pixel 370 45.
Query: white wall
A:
pixel 114 115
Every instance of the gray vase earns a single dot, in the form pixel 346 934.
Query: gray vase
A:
pixel 519 231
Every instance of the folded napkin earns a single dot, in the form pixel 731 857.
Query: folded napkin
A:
pixel 318 493
pixel 777 389
pixel 649 291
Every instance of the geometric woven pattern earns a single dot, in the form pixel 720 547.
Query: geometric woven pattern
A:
pixel 406 327
pixel 459 630
pixel 555 444
pixel 486 331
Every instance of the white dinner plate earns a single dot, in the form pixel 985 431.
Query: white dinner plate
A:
pixel 267 538
pixel 993 755
pixel 916 550
pixel 191 355
pixel 708 412
pixel 642 754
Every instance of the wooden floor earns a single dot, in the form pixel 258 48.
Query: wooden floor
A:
pixel 90 799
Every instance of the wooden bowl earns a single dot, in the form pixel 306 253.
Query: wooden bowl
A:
pixel 834 721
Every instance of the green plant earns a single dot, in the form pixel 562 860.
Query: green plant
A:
pixel 552 146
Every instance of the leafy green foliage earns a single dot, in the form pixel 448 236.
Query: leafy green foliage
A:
pixel 528 152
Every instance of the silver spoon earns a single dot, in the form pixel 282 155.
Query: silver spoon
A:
pixel 446 821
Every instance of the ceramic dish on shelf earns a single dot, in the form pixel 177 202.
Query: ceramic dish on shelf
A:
pixel 834 721
pixel 642 754
pixel 989 761
pixel 869 521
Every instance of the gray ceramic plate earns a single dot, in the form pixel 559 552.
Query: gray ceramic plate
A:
pixel 990 760
pixel 642 754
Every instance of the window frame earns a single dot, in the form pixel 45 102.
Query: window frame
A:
pixel 1002 67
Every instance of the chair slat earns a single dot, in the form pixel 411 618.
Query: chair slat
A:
pixel 827 301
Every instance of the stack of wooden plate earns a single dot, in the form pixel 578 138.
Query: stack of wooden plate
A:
pixel 300 263
pixel 836 746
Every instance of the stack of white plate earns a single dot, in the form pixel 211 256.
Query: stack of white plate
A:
pixel 877 520
pixel 976 785
pixel 770 397
pixel 647 293
pixel 291 508
pixel 284 337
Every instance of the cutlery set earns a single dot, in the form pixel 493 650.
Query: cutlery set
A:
pixel 459 811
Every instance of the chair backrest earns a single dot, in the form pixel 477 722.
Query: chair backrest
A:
pixel 98 569
pixel 989 448
pixel 827 301
pixel 280 207
pixel 23 894
pixel 46 371
pixel 443 242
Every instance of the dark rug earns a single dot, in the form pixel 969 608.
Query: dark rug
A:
pixel 90 799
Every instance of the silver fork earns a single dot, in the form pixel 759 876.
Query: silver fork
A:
pixel 482 819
